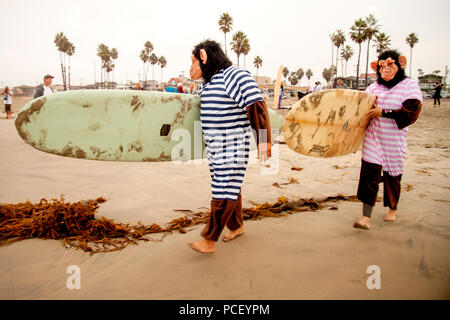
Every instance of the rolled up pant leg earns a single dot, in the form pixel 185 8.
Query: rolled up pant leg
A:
pixel 369 180
pixel 391 190
pixel 236 219
pixel 221 211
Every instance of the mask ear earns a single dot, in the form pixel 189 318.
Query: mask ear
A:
pixel 203 56
pixel 374 65
pixel 402 61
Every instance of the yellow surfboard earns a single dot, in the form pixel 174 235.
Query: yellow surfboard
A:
pixel 276 89
pixel 328 123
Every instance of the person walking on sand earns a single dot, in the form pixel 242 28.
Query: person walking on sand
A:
pixel 398 104
pixel 44 89
pixel 437 94
pixel 231 104
pixel 317 86
pixel 7 100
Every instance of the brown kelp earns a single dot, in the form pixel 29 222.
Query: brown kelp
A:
pixel 76 225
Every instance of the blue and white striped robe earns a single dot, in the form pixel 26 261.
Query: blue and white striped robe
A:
pixel 226 128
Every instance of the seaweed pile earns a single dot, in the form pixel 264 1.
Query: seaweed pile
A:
pixel 76 226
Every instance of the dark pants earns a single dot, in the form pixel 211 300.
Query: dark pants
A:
pixel 223 213
pixel 438 99
pixel 7 108
pixel 368 186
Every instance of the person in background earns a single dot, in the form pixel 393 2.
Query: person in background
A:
pixel 317 86
pixel 180 88
pixel 437 94
pixel 340 84
pixel 44 89
pixel 7 100
pixel 192 88
pixel 280 96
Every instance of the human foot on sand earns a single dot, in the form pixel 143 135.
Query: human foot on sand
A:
pixel 233 234
pixel 363 223
pixel 391 216
pixel 203 246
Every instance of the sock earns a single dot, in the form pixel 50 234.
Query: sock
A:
pixel 367 210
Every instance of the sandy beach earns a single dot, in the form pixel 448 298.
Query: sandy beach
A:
pixel 311 255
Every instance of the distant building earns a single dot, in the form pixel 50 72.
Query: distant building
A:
pixel 427 82
pixel 371 78
pixel 24 91
pixel 262 80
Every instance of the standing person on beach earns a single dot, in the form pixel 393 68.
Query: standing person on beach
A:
pixel 317 87
pixel 340 84
pixel 7 100
pixel 44 89
pixel 231 103
pixel 398 104
pixel 437 93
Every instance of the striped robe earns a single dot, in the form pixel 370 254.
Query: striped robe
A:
pixel 226 128
pixel 385 144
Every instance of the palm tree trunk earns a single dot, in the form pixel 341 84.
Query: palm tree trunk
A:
pixel 346 68
pixel 410 61
pixel 367 63
pixel 332 59
pixel 225 42
pixel 337 55
pixel 237 59
pixel 357 67
pixel 153 71
pixel 62 68
pixel 69 73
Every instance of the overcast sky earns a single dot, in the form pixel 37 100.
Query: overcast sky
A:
pixel 292 33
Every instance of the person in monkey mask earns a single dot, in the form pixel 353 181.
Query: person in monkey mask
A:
pixel 231 105
pixel 398 104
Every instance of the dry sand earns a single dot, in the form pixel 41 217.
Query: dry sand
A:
pixel 314 255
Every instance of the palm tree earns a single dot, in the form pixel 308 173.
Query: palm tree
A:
pixel 226 25
pixel 436 72
pixel 245 49
pixel 237 43
pixel 257 62
pixel 61 43
pixel 293 78
pixel 300 74
pixel 326 74
pixel 346 54
pixel 103 54
pixel 332 36
pixel 114 54
pixel 412 39
pixel 339 39
pixel 145 57
pixel 162 63
pixel 153 60
pixel 420 72
pixel 382 42
pixel 70 51
pixel 358 35
pixel 308 74
pixel 372 29
pixel 285 72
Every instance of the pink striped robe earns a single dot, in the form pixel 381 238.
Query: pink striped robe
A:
pixel 384 143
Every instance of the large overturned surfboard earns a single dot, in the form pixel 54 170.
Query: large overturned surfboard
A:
pixel 117 125
pixel 328 123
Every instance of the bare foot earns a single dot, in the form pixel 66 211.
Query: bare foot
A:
pixel 391 216
pixel 203 246
pixel 363 223
pixel 233 234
